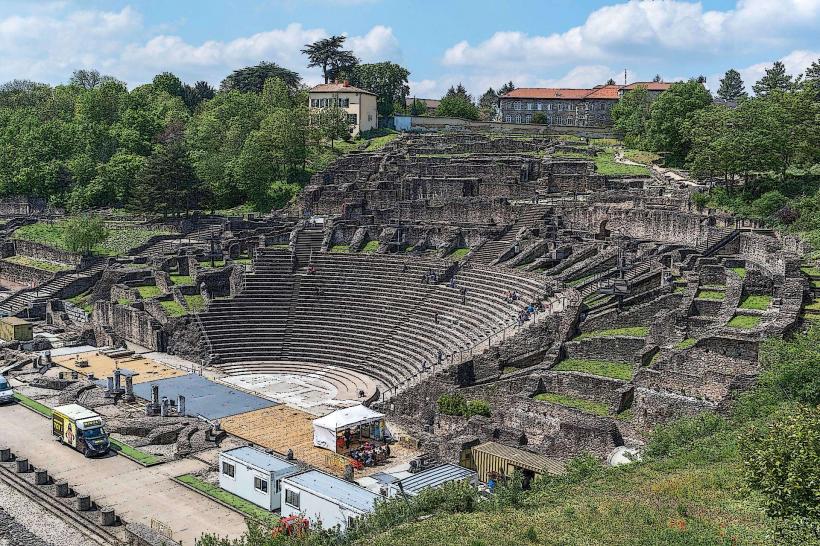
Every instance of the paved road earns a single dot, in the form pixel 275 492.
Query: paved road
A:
pixel 137 494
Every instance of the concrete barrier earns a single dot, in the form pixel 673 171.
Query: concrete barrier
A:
pixel 61 489
pixel 40 476
pixel 22 466
pixel 83 503
pixel 107 516
pixel 5 454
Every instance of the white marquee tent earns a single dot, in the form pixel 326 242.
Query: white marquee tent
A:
pixel 326 429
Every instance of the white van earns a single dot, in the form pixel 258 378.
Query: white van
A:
pixel 6 394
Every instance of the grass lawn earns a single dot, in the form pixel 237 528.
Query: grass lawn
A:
pixel 640 156
pixel 579 282
pixel 635 331
pixel 572 155
pixel 680 289
pixel 371 246
pixel 741 271
pixel 509 369
pixel 280 247
pixel 217 264
pixel 196 303
pixel 814 306
pixel 605 164
pixel 458 254
pixel 173 309
pixel 686 343
pixel 38 264
pixel 571 402
pixel 118 242
pixel 148 292
pixel 756 302
pixel 243 261
pixel 604 368
pixel 744 322
pixel 239 504
pixel 181 279
pixel 143 458
pixel 714 295
pixel 378 138
pixel 42 409
pixel 340 248
pixel 811 271
pixel 81 301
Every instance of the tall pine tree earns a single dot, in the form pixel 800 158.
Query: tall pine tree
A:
pixel 731 86
pixel 775 79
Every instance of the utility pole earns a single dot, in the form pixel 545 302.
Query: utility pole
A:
pixel 624 77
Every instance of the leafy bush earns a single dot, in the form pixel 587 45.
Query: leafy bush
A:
pixel 454 404
pixel 782 461
pixel 477 407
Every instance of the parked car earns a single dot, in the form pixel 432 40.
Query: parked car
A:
pixel 6 392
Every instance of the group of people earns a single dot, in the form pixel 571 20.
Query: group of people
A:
pixel 512 296
pixel 431 277
pixel 525 314
pixel 369 455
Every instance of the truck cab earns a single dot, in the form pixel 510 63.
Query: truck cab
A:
pixel 80 428
pixel 6 393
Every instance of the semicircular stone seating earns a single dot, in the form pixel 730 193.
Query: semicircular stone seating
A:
pixel 369 315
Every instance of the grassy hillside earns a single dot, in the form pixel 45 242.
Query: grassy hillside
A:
pixel 699 483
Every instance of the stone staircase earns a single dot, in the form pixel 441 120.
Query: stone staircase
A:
pixel 490 251
pixel 308 243
pixel 25 298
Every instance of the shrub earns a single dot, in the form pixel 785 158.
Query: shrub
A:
pixel 82 233
pixel 477 407
pixel 451 404
pixel 782 461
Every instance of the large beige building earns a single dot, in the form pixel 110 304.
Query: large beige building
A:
pixel 359 104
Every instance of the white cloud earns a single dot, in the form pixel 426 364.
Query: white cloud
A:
pixel 641 29
pixel 48 46
pixel 379 44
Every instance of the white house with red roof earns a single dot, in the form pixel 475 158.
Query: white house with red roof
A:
pixel 360 104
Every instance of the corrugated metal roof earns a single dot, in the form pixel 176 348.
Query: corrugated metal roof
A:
pixel 521 458
pixel 334 489
pixel 259 459
pixel 435 477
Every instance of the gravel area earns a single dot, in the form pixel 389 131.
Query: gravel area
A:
pixel 24 522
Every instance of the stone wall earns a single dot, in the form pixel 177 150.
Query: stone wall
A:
pixel 130 323
pixel 46 253
pixel 23 274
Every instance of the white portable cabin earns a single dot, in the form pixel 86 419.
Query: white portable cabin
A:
pixel 432 478
pixel 326 429
pixel 324 498
pixel 254 475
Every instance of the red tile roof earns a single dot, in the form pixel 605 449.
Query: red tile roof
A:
pixel 546 93
pixel 598 92
pixel 338 88
pixel 649 86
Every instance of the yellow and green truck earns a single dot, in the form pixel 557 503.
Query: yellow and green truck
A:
pixel 80 428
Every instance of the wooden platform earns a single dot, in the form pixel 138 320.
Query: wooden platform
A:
pixel 102 366
pixel 281 428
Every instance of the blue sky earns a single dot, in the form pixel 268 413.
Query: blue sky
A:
pixel 560 43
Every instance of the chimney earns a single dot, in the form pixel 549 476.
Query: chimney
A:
pixel 346 83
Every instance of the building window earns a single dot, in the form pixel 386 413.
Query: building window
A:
pixel 277 485
pixel 540 105
pixel 352 119
pixel 345 103
pixel 508 118
pixel 518 118
pixel 529 106
pixel 228 469
pixel 260 485
pixel 369 117
pixel 518 106
pixel 529 118
pixel 292 498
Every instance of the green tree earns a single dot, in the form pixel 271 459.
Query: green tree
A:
pixel 333 124
pixel 387 80
pixel 418 107
pixel 89 79
pixel 610 81
pixel 775 79
pixel 457 103
pixel 197 94
pixel 275 94
pixel 668 115
pixel 506 88
pixel 167 182
pixel 731 86
pixel 251 79
pixel 630 116
pixel 540 118
pixel 83 233
pixel 782 461
pixel 328 55
pixel 488 104
pixel 169 83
